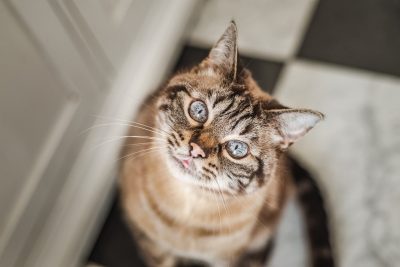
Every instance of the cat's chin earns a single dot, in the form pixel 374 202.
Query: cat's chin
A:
pixel 185 173
pixel 183 165
pixel 181 171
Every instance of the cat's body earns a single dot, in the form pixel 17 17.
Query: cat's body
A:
pixel 213 182
pixel 198 223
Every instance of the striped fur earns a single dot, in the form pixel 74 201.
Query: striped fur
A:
pixel 214 209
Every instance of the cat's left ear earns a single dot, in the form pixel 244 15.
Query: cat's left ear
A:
pixel 224 54
pixel 292 124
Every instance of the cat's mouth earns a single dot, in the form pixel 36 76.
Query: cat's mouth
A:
pixel 184 161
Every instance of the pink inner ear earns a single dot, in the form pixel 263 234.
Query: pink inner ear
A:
pixel 294 124
pixel 295 135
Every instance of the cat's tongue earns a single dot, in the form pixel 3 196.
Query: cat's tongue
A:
pixel 186 163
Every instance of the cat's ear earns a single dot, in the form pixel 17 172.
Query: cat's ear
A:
pixel 224 54
pixel 292 124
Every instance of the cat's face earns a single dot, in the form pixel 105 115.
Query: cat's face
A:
pixel 216 134
pixel 223 133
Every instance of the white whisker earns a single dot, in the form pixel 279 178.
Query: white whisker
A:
pixel 127 136
pixel 124 124
pixel 140 144
pixel 223 199
pixel 140 151
pixel 134 122
pixel 146 152
pixel 218 207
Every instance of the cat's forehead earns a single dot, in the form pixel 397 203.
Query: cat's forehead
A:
pixel 199 82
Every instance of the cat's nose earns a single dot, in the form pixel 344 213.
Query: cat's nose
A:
pixel 196 151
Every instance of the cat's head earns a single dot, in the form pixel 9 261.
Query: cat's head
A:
pixel 224 133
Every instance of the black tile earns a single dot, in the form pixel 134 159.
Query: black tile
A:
pixel 357 33
pixel 190 57
pixel 265 72
pixel 115 246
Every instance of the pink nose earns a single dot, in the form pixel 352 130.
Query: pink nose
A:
pixel 196 151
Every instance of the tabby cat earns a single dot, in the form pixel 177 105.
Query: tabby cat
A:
pixel 205 177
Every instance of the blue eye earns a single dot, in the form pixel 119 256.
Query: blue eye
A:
pixel 237 149
pixel 198 111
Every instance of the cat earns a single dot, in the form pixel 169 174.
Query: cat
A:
pixel 204 177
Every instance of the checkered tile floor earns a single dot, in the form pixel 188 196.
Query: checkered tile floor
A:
pixel 339 57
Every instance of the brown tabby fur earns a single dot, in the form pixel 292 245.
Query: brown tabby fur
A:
pixel 220 209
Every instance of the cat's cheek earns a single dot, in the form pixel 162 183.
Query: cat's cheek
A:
pixel 173 167
pixel 224 184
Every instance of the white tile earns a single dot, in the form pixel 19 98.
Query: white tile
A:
pixel 267 28
pixel 355 153
pixel 290 240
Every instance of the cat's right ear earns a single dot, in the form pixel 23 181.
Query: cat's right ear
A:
pixel 289 125
pixel 223 56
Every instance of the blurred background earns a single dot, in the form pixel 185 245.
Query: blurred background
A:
pixel 72 72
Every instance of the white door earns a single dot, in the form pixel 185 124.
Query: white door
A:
pixel 63 65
